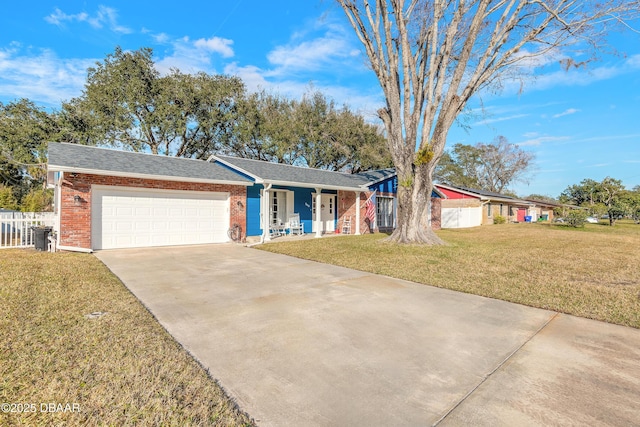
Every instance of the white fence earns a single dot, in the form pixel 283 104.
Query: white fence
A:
pixel 461 217
pixel 16 228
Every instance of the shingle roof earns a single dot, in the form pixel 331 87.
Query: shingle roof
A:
pixel 486 194
pixel 303 176
pixel 88 159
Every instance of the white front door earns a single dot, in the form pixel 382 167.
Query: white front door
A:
pixel 327 213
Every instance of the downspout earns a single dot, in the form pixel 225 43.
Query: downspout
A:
pixel 58 206
pixel 265 213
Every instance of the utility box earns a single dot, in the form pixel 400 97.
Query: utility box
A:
pixel 41 237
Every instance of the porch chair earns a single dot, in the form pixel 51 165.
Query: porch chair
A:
pixel 346 225
pixel 277 228
pixel 295 226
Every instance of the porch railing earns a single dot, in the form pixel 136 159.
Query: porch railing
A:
pixel 16 228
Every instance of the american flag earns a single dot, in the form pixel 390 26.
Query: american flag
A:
pixel 370 210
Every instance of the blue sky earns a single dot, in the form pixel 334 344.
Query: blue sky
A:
pixel 580 124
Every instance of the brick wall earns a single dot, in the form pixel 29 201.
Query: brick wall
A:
pixel 75 217
pixel 436 213
pixel 461 203
pixel 347 208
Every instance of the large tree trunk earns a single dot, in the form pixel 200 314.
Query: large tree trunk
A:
pixel 414 208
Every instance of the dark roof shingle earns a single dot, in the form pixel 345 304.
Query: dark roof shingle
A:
pixel 305 176
pixel 65 156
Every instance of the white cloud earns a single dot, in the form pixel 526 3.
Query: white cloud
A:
pixel 193 56
pixel 216 44
pixel 252 76
pixel 321 46
pixel 41 76
pixel 566 112
pixel 103 16
pixel 536 141
pixel 500 119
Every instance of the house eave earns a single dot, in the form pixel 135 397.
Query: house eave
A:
pixel 257 179
pixel 377 181
pixel 68 169
pixel 314 186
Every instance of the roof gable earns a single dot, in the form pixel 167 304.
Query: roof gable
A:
pixel 449 190
pixel 102 161
pixel 282 174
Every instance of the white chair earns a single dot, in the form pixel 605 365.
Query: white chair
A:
pixel 277 228
pixel 346 225
pixel 295 226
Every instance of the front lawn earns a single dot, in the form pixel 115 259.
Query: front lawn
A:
pixel 60 365
pixel 591 272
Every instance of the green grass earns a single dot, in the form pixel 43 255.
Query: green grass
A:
pixel 591 272
pixel 120 369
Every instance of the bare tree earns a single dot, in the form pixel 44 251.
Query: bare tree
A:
pixel 431 57
pixel 492 167
pixel 502 163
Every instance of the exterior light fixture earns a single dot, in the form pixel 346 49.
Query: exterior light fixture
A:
pixel 77 200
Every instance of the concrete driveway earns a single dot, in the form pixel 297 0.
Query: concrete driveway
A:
pixel 299 343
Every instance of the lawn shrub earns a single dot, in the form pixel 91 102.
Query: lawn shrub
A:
pixel 499 219
pixel 577 218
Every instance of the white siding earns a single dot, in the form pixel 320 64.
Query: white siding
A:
pixel 461 217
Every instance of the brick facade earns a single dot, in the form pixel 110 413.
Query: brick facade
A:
pixel 347 208
pixel 75 216
pixel 436 213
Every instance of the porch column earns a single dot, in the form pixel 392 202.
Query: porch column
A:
pixel 318 212
pixel 266 215
pixel 357 224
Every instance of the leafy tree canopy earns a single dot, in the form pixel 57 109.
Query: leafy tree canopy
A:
pixel 607 196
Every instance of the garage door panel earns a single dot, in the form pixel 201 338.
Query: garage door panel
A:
pixel 461 217
pixel 124 218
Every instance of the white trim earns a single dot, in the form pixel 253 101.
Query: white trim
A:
pixel 358 213
pixel 372 183
pixel 260 180
pixel 96 214
pixel 74 249
pixel 318 218
pixel 237 168
pixel 315 186
pixel 153 190
pixel 146 176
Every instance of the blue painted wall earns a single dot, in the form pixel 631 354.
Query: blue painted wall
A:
pixel 253 210
pixel 302 204
pixel 389 185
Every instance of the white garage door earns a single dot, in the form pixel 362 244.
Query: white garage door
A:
pixel 461 217
pixel 131 218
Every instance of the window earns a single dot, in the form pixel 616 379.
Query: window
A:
pixel 384 211
pixel 501 209
pixel 489 209
pixel 279 207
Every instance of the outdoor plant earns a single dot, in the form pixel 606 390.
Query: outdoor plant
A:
pixel 499 219
pixel 577 217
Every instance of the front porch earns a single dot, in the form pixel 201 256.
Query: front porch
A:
pixel 314 212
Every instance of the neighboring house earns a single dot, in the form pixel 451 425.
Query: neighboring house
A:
pixel 466 207
pixel 115 199
pixel 544 209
